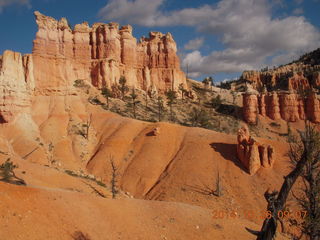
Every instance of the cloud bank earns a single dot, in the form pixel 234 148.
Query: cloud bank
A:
pixel 5 3
pixel 252 37
pixel 194 44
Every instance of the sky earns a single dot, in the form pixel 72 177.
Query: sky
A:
pixel 215 38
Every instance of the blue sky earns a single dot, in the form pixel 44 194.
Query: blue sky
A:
pixel 220 38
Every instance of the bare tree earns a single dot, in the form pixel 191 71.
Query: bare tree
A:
pixel 218 192
pixel 114 175
pixel 87 126
pixel 301 155
pixel 309 196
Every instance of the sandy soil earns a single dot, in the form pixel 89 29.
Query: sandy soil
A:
pixel 165 181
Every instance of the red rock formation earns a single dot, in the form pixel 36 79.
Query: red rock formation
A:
pixel 298 80
pixel 301 109
pixel 313 108
pixel 250 107
pixel 16 84
pixel 289 77
pixel 289 107
pixel 273 109
pixel 251 154
pixel 262 104
pixel 101 54
pixel 287 81
pixel 266 155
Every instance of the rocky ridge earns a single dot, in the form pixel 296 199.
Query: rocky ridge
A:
pixel 99 54
pixel 288 106
pixel 288 92
pixel 301 74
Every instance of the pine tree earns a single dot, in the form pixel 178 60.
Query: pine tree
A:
pixel 171 97
pixel 160 107
pixel 134 102
pixel 123 86
pixel 107 93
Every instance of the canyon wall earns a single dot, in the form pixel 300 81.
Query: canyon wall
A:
pixel 281 105
pixel 289 77
pixel 99 54
pixel 281 89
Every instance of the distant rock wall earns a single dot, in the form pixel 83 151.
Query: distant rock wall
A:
pixel 101 54
pixel 280 105
pixel 290 77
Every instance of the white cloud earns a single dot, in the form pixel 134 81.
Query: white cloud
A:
pixel 194 75
pixel 5 3
pixel 251 36
pixel 141 12
pixel 298 1
pixel 298 11
pixel 194 44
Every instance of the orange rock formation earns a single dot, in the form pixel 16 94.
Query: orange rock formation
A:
pixel 283 84
pixel 99 54
pixel 281 105
pixel 252 154
pixel 16 84
pixel 288 77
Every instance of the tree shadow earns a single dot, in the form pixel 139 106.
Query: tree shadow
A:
pixel 18 181
pixel 229 152
pixel 204 190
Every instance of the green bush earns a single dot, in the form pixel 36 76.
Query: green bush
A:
pixel 8 175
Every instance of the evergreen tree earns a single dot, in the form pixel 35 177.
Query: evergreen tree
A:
pixel 171 100
pixel 107 93
pixel 134 102
pixel 123 86
pixel 160 107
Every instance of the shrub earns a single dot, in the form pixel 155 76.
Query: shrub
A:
pixel 199 118
pixel 8 175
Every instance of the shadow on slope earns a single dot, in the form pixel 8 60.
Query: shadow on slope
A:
pixel 227 151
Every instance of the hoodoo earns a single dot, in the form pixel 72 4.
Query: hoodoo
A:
pixel 99 54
